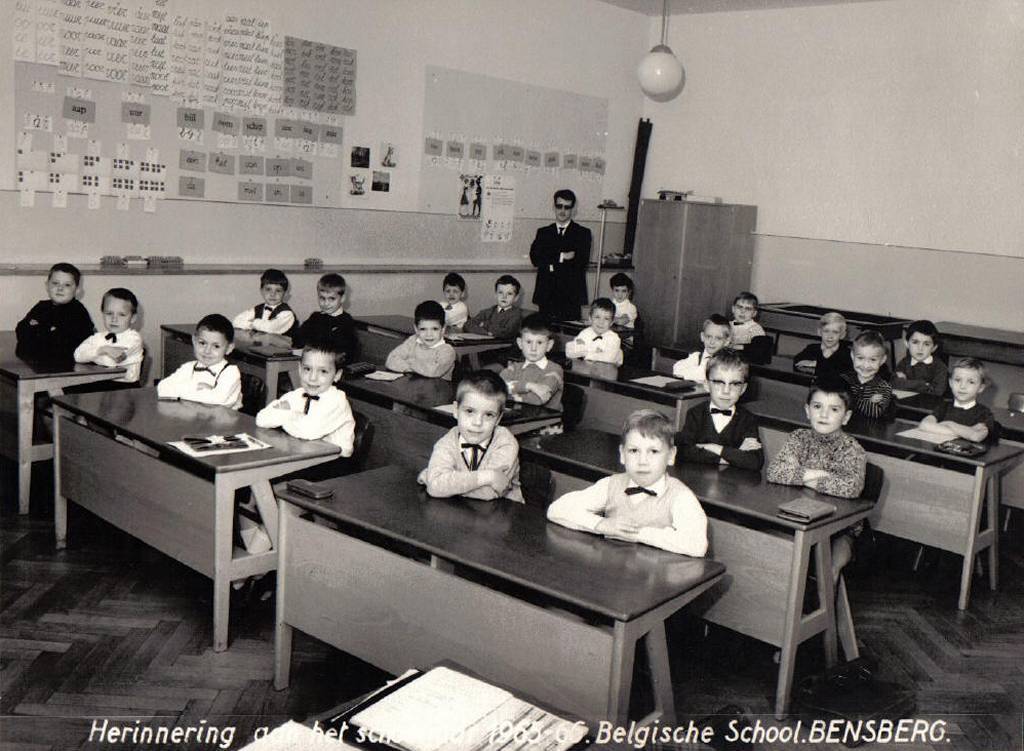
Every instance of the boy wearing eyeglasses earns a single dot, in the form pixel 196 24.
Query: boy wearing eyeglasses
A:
pixel 721 431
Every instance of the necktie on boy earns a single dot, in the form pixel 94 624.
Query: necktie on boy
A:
pixel 477 449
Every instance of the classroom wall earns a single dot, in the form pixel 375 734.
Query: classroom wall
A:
pixel 867 134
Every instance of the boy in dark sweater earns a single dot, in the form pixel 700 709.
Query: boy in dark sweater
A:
pixel 965 418
pixel 331 324
pixel 54 328
pixel 721 431
pixel 921 369
pixel 869 384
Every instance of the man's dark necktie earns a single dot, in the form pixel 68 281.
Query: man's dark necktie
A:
pixel 637 490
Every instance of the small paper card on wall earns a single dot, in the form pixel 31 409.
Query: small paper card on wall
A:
pixel 250 165
pixel 222 164
pixel 500 152
pixel 569 161
pixel 190 117
pixel 585 164
pixel 433 147
pixel 599 165
pixel 254 127
pixel 330 134
pixel 250 192
pixel 79 110
pixel 59 199
pixel 279 167
pixel 302 194
pixel 455 149
pixel 478 151
pixel 498 210
pixel 302 168
pixel 285 128
pixel 149 204
pixel 94 201
pixel 277 193
pixel 225 123
pixel 191 187
pixel 516 153
pixel 192 160
pixel 533 158
pixel 133 113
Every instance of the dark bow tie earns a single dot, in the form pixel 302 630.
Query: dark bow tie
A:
pixel 637 490
pixel 737 323
pixel 726 412
pixel 111 338
pixel 309 398
pixel 477 450
pixel 599 336
pixel 201 369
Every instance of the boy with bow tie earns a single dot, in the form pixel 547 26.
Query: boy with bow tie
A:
pixel 120 345
pixel 642 504
pixel 477 458
pixel 723 432
pixel 208 379
pixel 597 342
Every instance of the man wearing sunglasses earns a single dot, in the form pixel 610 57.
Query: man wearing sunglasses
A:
pixel 561 252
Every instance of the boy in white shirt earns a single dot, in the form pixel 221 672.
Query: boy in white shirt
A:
pixel 208 379
pixel 642 504
pixel 317 410
pixel 272 316
pixel 597 342
pixel 455 311
pixel 744 327
pixel 120 345
pixel 715 334
pixel 622 296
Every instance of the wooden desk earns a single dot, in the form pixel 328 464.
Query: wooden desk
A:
pixel 20 381
pixel 798 319
pixel 928 497
pixel 263 361
pixel 991 345
pixel 402 327
pixel 767 558
pixel 612 395
pixel 473 589
pixel 399 440
pixel 120 466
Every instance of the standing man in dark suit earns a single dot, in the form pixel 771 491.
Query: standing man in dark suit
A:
pixel 561 252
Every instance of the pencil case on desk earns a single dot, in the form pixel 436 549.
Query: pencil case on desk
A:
pixel 805 510
pixel 961 447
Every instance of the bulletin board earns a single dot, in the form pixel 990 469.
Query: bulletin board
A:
pixel 475 126
pixel 136 102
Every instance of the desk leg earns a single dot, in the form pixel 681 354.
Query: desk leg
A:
pixel 266 502
pixel 661 675
pixel 224 520
pixel 791 623
pixel 826 596
pixel 623 651
pixel 272 377
pixel 60 503
pixel 971 550
pixel 282 631
pixel 844 618
pixel 26 417
pixel 995 492
pixel 474 360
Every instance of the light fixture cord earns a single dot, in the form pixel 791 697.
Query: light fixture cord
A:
pixel 664 20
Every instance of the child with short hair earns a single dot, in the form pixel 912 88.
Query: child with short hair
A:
pixel 714 334
pixel 54 327
pixel 642 504
pixel 964 417
pixel 272 316
pixel 921 369
pixel 478 458
pixel 536 380
pixel 744 327
pixel 829 358
pixel 503 319
pixel 331 323
pixel 721 431
pixel 120 345
pixel 455 311
pixel 317 409
pixel 825 458
pixel 208 379
pixel 425 353
pixel 597 342
pixel 622 295
pixel 869 387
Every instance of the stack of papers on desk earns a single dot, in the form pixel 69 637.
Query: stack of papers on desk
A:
pixel 903 393
pixel 920 434
pixel 212 445
pixel 658 381
pixel 467 336
pixel 383 375
pixel 444 710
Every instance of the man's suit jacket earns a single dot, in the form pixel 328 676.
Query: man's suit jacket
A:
pixel 561 286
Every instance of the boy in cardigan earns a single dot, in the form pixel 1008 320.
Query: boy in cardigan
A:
pixel 825 458
pixel 643 504
pixel 208 379
pixel 425 353
pixel 829 358
pixel 920 369
pixel 714 334
pixel 721 431
pixel 331 323
pixel 870 389
pixel 965 418
pixel 455 311
pixel 272 316
pixel 743 326
pixel 597 342
pixel 536 380
pixel 503 319
pixel 477 458
pixel 120 345
pixel 53 328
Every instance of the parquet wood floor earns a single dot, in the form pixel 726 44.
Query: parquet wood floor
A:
pixel 109 629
